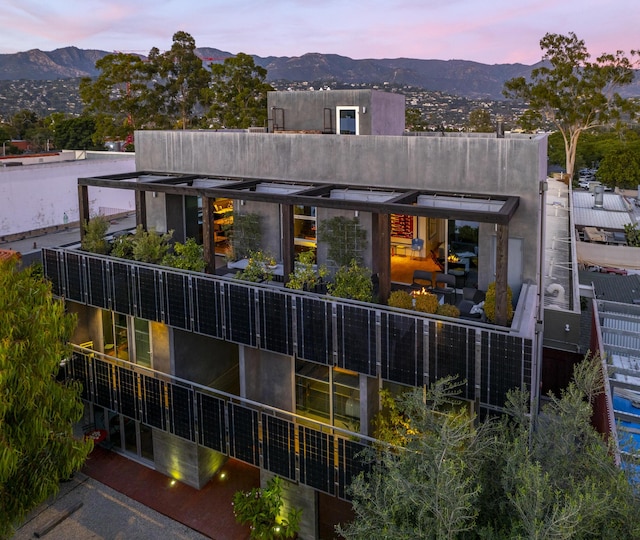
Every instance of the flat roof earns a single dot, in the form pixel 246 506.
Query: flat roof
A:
pixel 486 208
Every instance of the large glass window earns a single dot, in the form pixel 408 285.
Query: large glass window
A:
pixel 304 227
pixel 331 395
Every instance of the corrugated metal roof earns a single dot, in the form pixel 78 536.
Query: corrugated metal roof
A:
pixel 613 215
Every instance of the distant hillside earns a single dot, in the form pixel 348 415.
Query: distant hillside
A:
pixel 457 77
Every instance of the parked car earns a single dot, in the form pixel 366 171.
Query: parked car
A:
pixel 608 270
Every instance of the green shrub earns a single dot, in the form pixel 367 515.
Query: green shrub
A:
pixel 260 508
pixel 257 268
pixel 352 281
pixel 400 299
pixel 426 303
pixel 304 277
pixel 187 256
pixel 95 233
pixel 448 310
pixel 490 303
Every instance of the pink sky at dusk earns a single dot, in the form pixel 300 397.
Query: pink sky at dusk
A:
pixel 489 31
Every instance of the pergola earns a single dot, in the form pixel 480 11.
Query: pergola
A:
pixel 381 203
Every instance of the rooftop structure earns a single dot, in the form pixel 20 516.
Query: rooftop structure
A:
pixel 186 369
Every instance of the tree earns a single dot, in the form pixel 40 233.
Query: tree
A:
pixel 480 121
pixel 414 120
pixel 447 475
pixel 238 94
pixel 573 93
pixel 181 82
pixel 37 412
pixel 119 96
pixel 22 122
pixel 621 167
pixel 429 487
pixel 75 133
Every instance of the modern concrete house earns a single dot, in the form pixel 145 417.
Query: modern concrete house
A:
pixel 184 370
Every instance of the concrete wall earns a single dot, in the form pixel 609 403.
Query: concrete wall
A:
pixel 268 378
pixel 38 196
pixel 483 165
pixel 379 113
pixel 215 358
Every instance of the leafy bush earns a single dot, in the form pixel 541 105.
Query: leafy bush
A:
pixel 490 303
pixel 257 268
pixel 448 310
pixel 187 256
pixel 427 303
pixel 95 232
pixel 260 508
pixel 400 299
pixel 352 281
pixel 304 277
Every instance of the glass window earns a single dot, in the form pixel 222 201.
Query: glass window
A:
pixel 304 227
pixel 347 120
pixel 143 342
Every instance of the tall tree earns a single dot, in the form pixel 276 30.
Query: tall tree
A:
pixel 621 167
pixel 37 412
pixel 76 133
pixel 480 121
pixel 572 92
pixel 238 94
pixel 120 95
pixel 182 80
pixel 447 476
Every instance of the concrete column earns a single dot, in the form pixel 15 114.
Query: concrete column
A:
pixel 208 241
pixel 83 208
pixel 502 258
pixel 288 248
pixel 380 253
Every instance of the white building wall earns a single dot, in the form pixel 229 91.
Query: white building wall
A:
pixel 38 196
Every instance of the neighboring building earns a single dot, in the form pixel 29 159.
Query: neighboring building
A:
pixel 184 370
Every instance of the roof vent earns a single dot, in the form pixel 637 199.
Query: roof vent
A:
pixel 599 197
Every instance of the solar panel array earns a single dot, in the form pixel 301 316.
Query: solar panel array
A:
pixel 370 339
pixel 245 432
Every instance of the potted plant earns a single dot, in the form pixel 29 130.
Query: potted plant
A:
pixel 304 277
pixel 490 303
pixel 261 509
pixel 95 231
pixel 353 281
pixel 259 267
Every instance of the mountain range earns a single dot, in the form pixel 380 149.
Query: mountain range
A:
pixel 457 77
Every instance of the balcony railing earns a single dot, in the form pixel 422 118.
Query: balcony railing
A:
pixel 396 345
pixel 302 450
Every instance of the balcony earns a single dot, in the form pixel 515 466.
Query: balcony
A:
pixel 396 345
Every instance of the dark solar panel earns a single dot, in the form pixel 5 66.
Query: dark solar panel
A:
pixel 208 311
pixel 502 363
pixel 278 438
pixel 97 281
pixel 275 322
pixel 315 338
pixel 181 409
pixel 74 277
pixel 316 459
pixel 243 434
pixel 127 388
pixel 103 383
pixel 147 294
pixel 452 354
pixel 52 271
pixel 79 372
pixel 211 424
pixel 177 300
pixel 401 354
pixel 350 464
pixel 121 288
pixel 357 339
pixel 152 403
pixel 240 314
